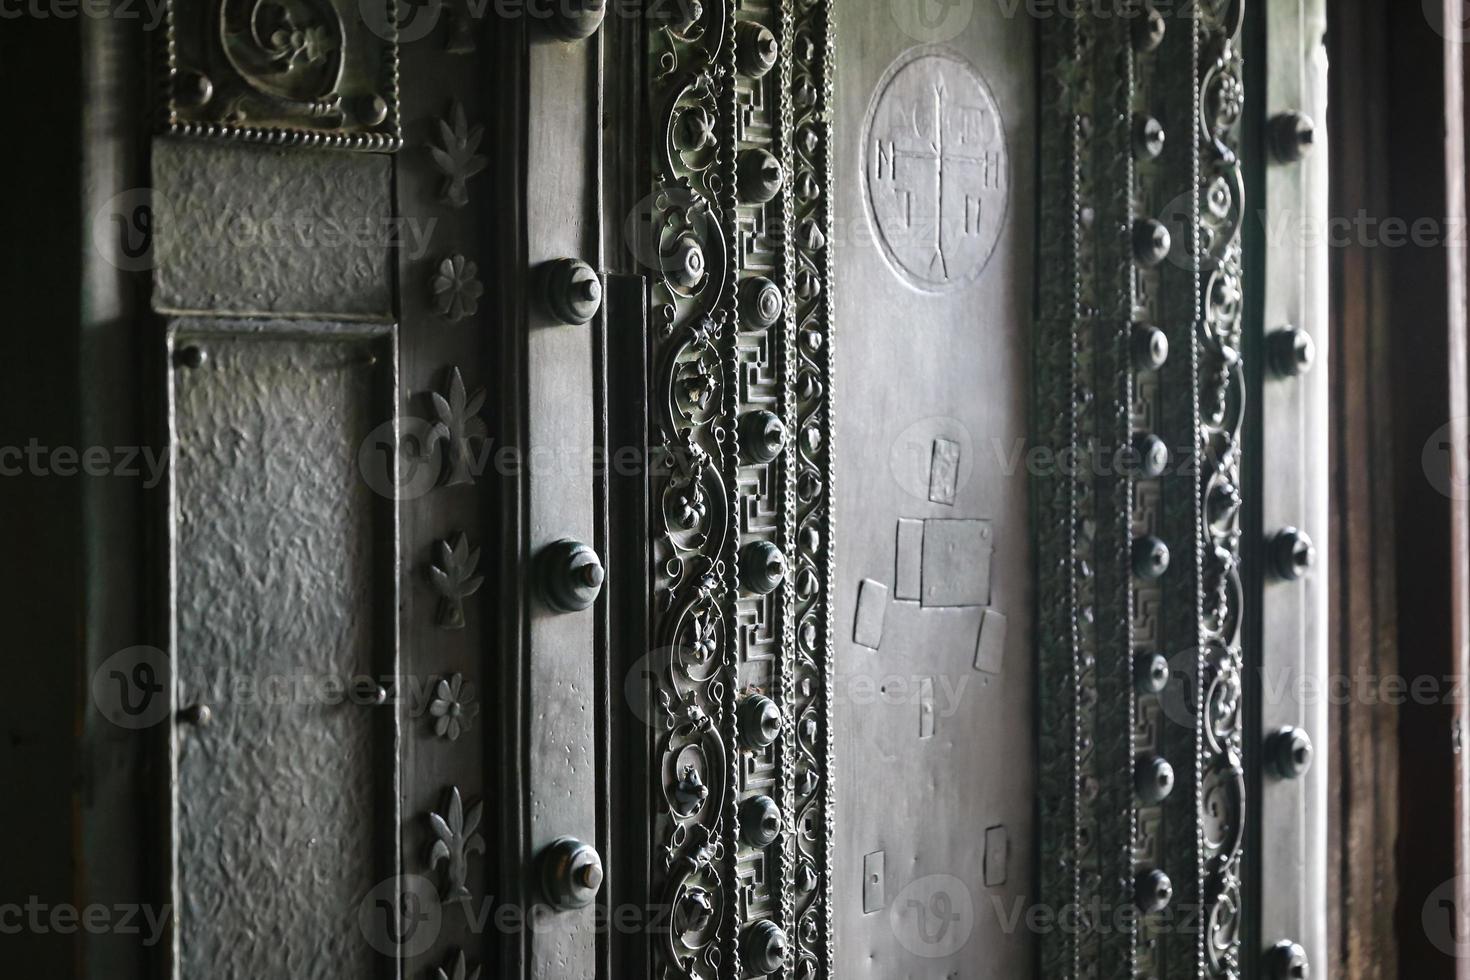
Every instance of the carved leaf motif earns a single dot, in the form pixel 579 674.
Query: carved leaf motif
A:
pixel 454 579
pixel 455 156
pixel 457 840
pixel 457 423
pixel 456 969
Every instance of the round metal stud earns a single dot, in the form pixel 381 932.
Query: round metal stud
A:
pixel 1148 31
pixel 1153 778
pixel 760 821
pixel 763 947
pixel 372 110
pixel 1150 673
pixel 1290 752
pixel 1150 557
pixel 1150 347
pixel 1148 138
pixel 570 575
pixel 1292 554
pixel 1287 961
pixel 756 48
pixel 762 567
pixel 198 715
pixel 1151 241
pixel 684 262
pixel 573 20
pixel 762 436
pixel 1153 891
pixel 761 302
pixel 192 356
pixel 571 874
pixel 573 291
pixel 760 721
pixel 758 176
pixel 1290 351
pixel 192 89
pixel 1292 135
pixel 1150 455
pixel 369 692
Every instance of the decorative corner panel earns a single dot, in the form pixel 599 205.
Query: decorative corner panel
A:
pixel 287 72
pixel 1138 364
pixel 741 351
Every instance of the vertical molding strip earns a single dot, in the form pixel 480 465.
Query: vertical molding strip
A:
pixel 741 515
pixel 1141 209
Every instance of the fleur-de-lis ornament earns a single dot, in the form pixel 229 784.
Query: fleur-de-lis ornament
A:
pixel 456 969
pixel 455 156
pixel 454 578
pixel 457 840
pixel 457 423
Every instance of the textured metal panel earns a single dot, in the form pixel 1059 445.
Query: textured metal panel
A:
pixel 935 168
pixel 283 800
pixel 259 230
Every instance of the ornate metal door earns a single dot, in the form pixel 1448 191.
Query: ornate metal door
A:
pixel 713 490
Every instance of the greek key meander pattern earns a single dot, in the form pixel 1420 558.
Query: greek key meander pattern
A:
pixel 742 528
pixel 1109 189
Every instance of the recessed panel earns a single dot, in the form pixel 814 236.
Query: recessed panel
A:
pixel 934 739
pixel 285 762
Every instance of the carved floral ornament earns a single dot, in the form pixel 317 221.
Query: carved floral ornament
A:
pixel 305 72
pixel 726 292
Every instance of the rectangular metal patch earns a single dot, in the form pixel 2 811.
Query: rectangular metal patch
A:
pixel 997 854
pixel 926 708
pixel 957 563
pixel 944 471
pixel 873 897
pixel 908 576
pixel 872 609
pixel 990 648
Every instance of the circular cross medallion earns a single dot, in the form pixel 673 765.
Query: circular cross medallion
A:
pixel 936 178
